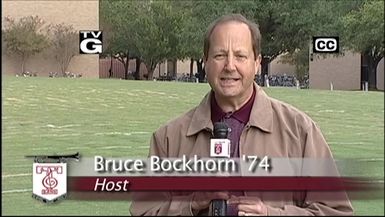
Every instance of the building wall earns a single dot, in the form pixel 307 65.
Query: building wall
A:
pixel 83 15
pixel 118 68
pixel 180 68
pixel 343 72
pixel 380 75
pixel 276 67
pixel 183 67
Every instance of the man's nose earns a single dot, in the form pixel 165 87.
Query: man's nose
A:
pixel 230 63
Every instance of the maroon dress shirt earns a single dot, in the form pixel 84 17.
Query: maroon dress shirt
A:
pixel 236 121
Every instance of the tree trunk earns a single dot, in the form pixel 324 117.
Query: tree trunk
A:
pixel 150 70
pixel 371 76
pixel 62 70
pixel 138 61
pixel 201 71
pixel 66 62
pixel 150 73
pixel 191 68
pixel 264 69
pixel 369 70
pixel 110 71
pixel 127 62
pixel 22 63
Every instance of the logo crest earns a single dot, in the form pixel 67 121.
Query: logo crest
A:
pixel 50 176
pixel 218 148
pixel 49 181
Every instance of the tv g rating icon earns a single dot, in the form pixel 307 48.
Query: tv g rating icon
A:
pixel 325 44
pixel 90 42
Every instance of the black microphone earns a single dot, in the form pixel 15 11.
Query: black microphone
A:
pixel 219 147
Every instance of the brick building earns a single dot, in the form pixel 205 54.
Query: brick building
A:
pixel 343 73
pixel 82 15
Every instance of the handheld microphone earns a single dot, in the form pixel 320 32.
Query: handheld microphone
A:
pixel 219 147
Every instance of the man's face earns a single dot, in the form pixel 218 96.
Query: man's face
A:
pixel 230 64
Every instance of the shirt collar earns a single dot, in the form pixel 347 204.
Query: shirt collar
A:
pixel 261 115
pixel 242 114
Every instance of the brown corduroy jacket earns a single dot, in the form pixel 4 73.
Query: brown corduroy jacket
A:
pixel 275 129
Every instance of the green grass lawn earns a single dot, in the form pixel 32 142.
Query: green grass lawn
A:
pixel 115 118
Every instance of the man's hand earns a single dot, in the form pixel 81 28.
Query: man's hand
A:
pixel 201 200
pixel 249 206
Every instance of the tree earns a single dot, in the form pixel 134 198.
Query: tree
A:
pixel 157 36
pixel 116 37
pixel 117 32
pixel 198 15
pixel 299 58
pixel 364 33
pixel 25 37
pixel 148 30
pixel 284 26
pixel 160 30
pixel 282 29
pixel 291 30
pixel 64 44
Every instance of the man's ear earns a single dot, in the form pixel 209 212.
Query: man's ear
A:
pixel 257 69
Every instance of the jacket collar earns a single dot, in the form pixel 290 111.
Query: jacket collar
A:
pixel 201 118
pixel 261 115
pixel 262 112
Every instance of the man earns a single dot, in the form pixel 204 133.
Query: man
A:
pixel 259 126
